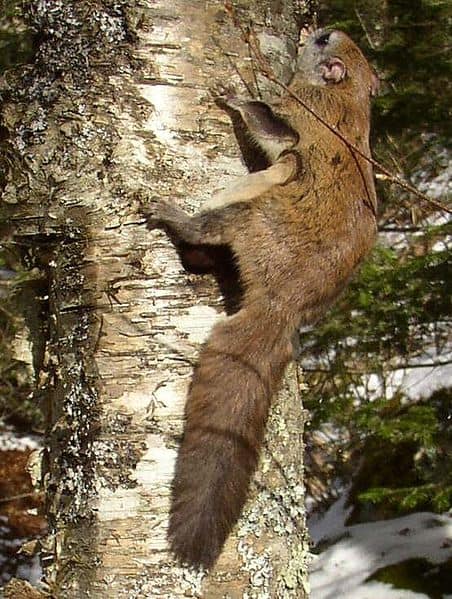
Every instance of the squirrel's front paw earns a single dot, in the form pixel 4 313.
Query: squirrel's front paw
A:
pixel 158 211
pixel 225 96
pixel 149 207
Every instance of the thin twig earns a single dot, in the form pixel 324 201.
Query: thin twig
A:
pixel 364 28
pixel 250 38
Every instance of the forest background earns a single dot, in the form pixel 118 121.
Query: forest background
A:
pixel 378 370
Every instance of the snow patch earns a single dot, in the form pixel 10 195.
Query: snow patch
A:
pixel 342 569
pixel 10 440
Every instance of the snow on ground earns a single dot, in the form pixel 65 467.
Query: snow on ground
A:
pixel 341 570
pixel 372 590
pixel 10 440
pixel 330 524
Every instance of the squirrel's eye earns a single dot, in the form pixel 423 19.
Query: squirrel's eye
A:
pixel 323 39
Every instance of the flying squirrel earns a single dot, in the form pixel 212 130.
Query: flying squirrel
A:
pixel 298 230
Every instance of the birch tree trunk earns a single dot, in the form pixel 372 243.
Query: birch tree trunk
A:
pixel 118 101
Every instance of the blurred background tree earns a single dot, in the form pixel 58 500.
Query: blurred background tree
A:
pixel 16 41
pixel 17 404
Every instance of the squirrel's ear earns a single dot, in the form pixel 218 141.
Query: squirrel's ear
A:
pixel 333 70
pixel 374 84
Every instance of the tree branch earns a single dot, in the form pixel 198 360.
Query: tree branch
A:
pixel 250 38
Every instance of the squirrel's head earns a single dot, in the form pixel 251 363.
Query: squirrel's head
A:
pixel 331 58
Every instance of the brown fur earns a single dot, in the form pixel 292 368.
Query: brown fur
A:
pixel 297 245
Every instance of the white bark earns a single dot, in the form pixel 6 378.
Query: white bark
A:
pixel 124 316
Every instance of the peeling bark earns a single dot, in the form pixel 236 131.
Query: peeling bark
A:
pixel 116 102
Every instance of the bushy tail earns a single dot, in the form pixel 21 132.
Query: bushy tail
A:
pixel 239 369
